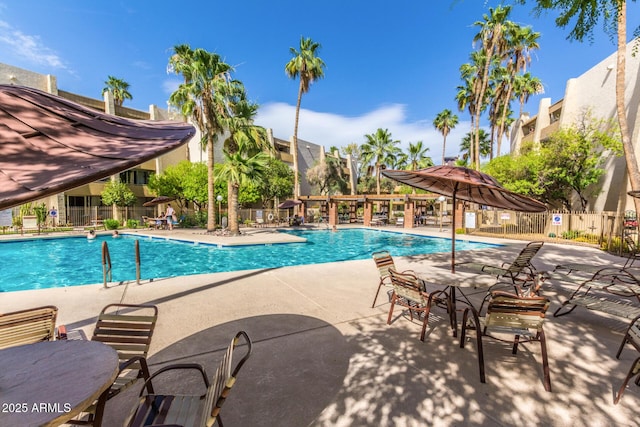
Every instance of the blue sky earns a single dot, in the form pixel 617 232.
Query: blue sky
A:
pixel 389 64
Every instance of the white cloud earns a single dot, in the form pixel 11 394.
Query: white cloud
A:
pixel 170 85
pixel 29 47
pixel 329 129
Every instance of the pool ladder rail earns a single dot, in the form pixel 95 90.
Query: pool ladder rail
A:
pixel 106 263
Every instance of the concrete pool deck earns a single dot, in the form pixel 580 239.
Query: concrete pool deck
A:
pixel 323 357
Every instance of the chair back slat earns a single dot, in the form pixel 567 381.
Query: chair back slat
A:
pixel 125 329
pixel 516 312
pixel 384 262
pixel 225 378
pixel 523 260
pixel 27 326
pixel 408 286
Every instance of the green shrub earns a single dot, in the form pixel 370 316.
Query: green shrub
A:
pixel 133 223
pixel 111 224
pixel 570 235
pixel 460 231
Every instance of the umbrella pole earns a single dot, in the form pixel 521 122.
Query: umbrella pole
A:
pixel 453 234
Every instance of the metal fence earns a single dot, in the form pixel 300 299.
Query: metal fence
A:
pixel 604 229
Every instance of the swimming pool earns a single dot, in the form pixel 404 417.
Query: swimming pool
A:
pixel 48 263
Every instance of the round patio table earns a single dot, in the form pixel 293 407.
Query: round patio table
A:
pixel 48 383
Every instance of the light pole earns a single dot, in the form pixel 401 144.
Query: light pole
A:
pixel 219 199
pixel 441 199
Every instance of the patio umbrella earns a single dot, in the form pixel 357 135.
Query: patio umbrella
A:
pixel 158 200
pixel 289 204
pixel 50 144
pixel 465 184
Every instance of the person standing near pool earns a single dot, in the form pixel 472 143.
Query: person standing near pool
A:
pixel 169 216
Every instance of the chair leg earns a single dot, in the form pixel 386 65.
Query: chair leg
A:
pixel 516 341
pixel 635 369
pixel 377 292
pixel 393 303
pixel 425 322
pixel 545 361
pixel 478 340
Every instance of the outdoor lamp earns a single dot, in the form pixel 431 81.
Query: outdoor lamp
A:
pixel 219 199
pixel 441 199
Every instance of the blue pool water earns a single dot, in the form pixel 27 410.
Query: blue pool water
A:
pixel 47 263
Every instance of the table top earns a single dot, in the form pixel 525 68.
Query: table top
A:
pixel 48 383
pixel 460 279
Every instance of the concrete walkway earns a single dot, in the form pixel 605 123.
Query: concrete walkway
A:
pixel 323 357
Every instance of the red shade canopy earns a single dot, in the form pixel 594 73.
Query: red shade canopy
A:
pixel 465 184
pixel 289 204
pixel 49 144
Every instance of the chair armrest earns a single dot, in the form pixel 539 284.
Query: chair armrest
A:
pixel 144 369
pixel 185 366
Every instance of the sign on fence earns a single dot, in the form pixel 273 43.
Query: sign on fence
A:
pixel 556 219
pixel 6 218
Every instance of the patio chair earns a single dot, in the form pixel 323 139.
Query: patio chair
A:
pixel 632 336
pixel 410 292
pixel 384 262
pixel 520 271
pixel 128 328
pixel 27 326
pixel 634 252
pixel 512 315
pixel 192 410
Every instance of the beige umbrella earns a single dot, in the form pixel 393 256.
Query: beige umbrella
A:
pixel 465 184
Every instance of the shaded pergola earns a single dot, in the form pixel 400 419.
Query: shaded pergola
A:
pixel 49 144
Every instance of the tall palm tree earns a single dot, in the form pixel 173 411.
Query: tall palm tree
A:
pixel 246 140
pixel 381 149
pixel 306 65
pixel 417 156
pixel 119 88
pixel 240 168
pixel 444 122
pixel 469 140
pixel 525 85
pixel 202 98
pixel 491 38
pixel 614 15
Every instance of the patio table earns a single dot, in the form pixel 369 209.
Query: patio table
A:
pixel 48 383
pixel 453 282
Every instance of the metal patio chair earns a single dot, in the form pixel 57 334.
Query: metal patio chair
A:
pixel 384 262
pixel 198 409
pixel 28 326
pixel 510 314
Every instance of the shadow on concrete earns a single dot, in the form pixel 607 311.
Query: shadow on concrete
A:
pixel 298 365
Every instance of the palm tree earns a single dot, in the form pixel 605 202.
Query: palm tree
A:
pixel 417 158
pixel 245 139
pixel 309 67
pixel 202 98
pixel 118 88
pixel 525 85
pixel 469 140
pixel 492 45
pixel 240 168
pixel 444 122
pixel 381 149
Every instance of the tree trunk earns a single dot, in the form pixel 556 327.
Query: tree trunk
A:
pixel 378 179
pixel 211 213
pixel 444 145
pixel 503 118
pixel 627 144
pixel 294 148
pixel 232 212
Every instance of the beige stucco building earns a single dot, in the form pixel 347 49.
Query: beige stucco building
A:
pixel 593 91
pixel 88 196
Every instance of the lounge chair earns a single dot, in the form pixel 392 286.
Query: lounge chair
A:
pixel 128 329
pixel 520 271
pixel 192 410
pixel 410 292
pixel 28 326
pixel 384 262
pixel 632 336
pixel 510 314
